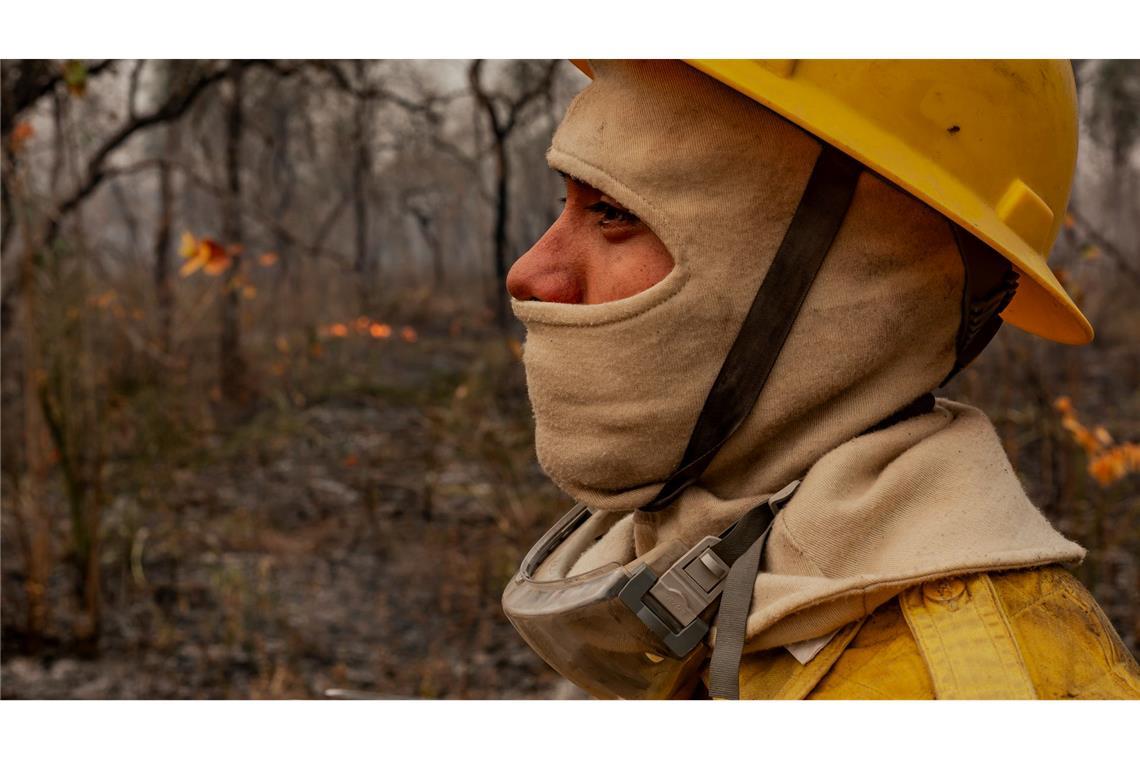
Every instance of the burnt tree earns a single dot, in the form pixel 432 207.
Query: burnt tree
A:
pixel 232 369
pixel 504 113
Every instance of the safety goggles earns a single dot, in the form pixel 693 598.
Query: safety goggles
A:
pixel 638 630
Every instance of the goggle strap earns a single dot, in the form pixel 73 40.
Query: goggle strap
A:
pixel 744 543
pixel 732 622
pixel 736 541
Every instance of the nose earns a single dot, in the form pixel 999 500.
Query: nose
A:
pixel 546 273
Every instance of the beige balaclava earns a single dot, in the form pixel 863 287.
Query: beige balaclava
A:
pixel 617 387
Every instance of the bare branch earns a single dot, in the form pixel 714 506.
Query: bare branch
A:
pixel 25 82
pixel 267 220
pixel 539 89
pixel 133 89
pixel 484 98
pixel 1110 249
pixel 177 105
pixel 173 108
pixel 378 93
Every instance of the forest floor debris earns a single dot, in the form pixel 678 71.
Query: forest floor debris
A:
pixel 363 551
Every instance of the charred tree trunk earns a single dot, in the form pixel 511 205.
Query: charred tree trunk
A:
pixel 428 230
pixel 6 225
pixel 502 184
pixel 284 176
pixel 70 403
pixel 163 290
pixel 33 520
pixel 504 114
pixel 232 364
pixel 363 264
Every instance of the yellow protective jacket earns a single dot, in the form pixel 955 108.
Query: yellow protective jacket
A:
pixel 1028 634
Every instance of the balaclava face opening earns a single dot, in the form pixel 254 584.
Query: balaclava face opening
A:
pixel 617 387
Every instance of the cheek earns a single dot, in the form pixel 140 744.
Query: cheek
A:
pixel 628 269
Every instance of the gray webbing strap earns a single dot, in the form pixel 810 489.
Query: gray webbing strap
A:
pixel 736 600
pixel 731 621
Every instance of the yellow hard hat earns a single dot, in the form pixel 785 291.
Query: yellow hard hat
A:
pixel 990 144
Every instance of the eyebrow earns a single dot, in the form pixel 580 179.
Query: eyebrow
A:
pixel 571 178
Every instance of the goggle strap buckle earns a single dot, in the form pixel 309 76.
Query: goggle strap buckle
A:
pixel 680 639
pixel 671 606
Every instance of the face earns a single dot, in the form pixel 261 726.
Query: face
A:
pixel 596 251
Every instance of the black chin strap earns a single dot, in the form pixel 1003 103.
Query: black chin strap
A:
pixel 778 300
pixel 991 282
pixel 921 405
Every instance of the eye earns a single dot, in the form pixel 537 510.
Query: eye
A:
pixel 611 215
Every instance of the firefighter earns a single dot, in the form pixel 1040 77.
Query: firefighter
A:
pixel 762 273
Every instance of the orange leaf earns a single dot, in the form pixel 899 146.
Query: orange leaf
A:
pixel 191 266
pixel 21 133
pixel 408 333
pixel 188 247
pixel 205 254
pixel 1132 451
pixel 1112 466
pixel 104 299
pixel 379 330
pixel 339 330
pixel 267 259
pixel 1087 441
pixel 216 258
